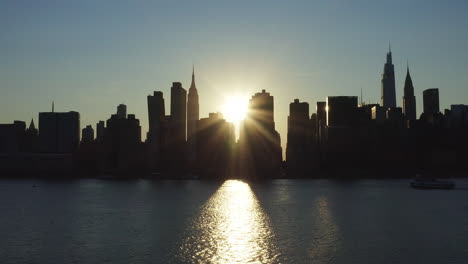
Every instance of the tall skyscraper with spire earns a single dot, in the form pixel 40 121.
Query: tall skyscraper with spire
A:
pixel 193 108
pixel 193 115
pixel 409 100
pixel 388 82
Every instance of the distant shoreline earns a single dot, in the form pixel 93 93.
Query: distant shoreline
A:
pixel 135 176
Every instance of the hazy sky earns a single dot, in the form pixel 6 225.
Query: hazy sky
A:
pixel 89 56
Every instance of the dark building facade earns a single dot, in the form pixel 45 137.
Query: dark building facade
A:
pixel 431 101
pixel 432 114
pixel 409 100
pixel 298 139
pixel 215 144
pixel 388 83
pixel 154 137
pixel 122 144
pixel 59 132
pixel 100 130
pixel 178 112
pixel 175 144
pixel 122 111
pixel 260 145
pixel 87 134
pixel 11 137
pixel 342 133
pixel 459 115
pixel 378 114
pixel 342 111
pixel 321 120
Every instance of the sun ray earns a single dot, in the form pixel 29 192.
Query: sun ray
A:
pixel 235 108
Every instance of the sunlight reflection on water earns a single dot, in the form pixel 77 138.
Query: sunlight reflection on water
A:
pixel 325 244
pixel 231 228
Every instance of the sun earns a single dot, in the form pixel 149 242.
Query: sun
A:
pixel 235 108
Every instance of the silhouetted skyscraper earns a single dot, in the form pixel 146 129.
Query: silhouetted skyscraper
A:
pixel 156 114
pixel 260 144
pixel 100 130
pixel 59 132
pixel 193 115
pixel 215 141
pixel 431 101
pixel 156 110
pixel 122 143
pixel 297 123
pixel 388 83
pixel 341 138
pixel 11 137
pixel 261 110
pixel 178 112
pixel 409 100
pixel 87 134
pixel 342 111
pixel 297 149
pixel 122 111
pixel 459 115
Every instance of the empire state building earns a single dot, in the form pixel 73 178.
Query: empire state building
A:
pixel 388 83
pixel 193 115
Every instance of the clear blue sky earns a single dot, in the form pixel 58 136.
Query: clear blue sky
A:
pixel 91 55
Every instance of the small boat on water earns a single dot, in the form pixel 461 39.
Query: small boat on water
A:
pixel 430 183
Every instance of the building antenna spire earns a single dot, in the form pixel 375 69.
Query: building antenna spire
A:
pixel 52 106
pixel 193 74
pixel 407 66
pixel 389 47
pixel 361 98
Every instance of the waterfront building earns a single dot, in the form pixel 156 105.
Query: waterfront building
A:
pixel 260 145
pixel 214 150
pixel 59 132
pixel 154 137
pixel 298 139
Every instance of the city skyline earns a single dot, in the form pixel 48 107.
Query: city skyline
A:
pixel 55 55
pixel 151 131
pixel 243 99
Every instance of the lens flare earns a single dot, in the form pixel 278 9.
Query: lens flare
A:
pixel 235 108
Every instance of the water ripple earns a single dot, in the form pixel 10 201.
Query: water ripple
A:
pixel 230 228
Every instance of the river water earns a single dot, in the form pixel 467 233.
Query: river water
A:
pixel 282 221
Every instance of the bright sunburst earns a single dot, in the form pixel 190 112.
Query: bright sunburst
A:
pixel 235 107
